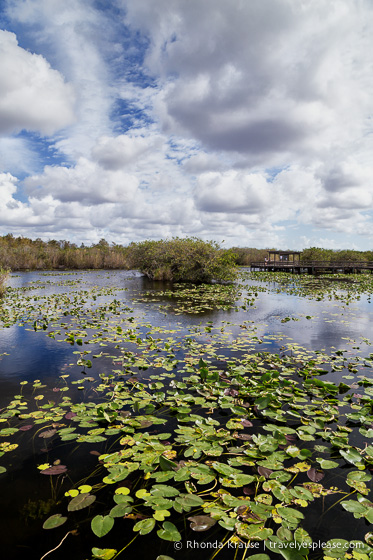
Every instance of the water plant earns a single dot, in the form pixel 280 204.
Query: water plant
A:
pixel 208 432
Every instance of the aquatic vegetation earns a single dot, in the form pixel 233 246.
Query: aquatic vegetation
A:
pixel 4 275
pixel 198 432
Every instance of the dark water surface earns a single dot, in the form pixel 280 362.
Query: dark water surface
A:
pixel 27 354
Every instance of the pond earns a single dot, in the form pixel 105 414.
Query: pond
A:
pixel 182 421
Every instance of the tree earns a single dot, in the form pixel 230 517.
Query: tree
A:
pixel 188 260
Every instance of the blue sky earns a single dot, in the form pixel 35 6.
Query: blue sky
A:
pixel 243 121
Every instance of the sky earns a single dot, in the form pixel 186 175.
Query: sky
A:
pixel 248 122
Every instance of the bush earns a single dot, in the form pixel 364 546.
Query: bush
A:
pixel 4 275
pixel 187 260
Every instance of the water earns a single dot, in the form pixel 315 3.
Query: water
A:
pixel 28 354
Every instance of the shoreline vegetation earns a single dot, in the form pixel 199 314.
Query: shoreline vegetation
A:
pixel 4 275
pixel 178 259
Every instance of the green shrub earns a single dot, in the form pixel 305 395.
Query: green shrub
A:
pixel 187 260
pixel 4 275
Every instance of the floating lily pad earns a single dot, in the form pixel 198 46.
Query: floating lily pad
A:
pixel 55 470
pixel 169 532
pixel 54 521
pixel 201 522
pixel 104 553
pixel 315 475
pixel 101 525
pixel 80 502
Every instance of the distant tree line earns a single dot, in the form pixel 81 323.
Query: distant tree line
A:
pixel 173 258
pixel 177 259
pixel 245 256
pixel 332 255
pixel 21 253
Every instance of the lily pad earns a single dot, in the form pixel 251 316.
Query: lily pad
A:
pixel 201 522
pixel 55 470
pixel 169 532
pixel 80 502
pixel 101 525
pixel 54 521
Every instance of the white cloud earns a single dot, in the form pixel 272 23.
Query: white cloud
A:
pixel 242 77
pixel 232 192
pixel 244 121
pixel 86 183
pixel 121 151
pixel 16 156
pixel 33 96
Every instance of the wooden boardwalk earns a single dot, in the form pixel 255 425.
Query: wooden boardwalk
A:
pixel 312 267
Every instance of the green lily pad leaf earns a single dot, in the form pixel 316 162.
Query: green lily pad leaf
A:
pixel 369 449
pixel 164 490
pixel 351 456
pixel 358 476
pixel 80 502
pixel 253 532
pixel 54 521
pixel 289 513
pixel 201 522
pixel 72 493
pixel 325 464
pixel 101 525
pixel 120 510
pixel 142 494
pixel 145 526
pixel 353 506
pixel 224 469
pixel 2 470
pixel 292 450
pixel 288 552
pixel 303 539
pixel 336 548
pixel 123 490
pixel 189 500
pixel 169 532
pixel 85 488
pixel 163 557
pixel 228 523
pixel 161 514
pixel 120 499
pixel 103 553
pixel 166 464
pixel 284 534
pixel 369 515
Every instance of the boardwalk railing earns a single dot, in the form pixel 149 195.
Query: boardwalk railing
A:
pixel 312 266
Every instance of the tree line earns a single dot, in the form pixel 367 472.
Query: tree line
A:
pixel 167 259
pixel 22 253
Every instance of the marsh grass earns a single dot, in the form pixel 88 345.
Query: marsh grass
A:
pixel 4 275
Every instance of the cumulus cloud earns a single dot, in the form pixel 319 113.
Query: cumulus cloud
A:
pixel 86 183
pixel 244 121
pixel 232 192
pixel 33 96
pixel 120 151
pixel 259 80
